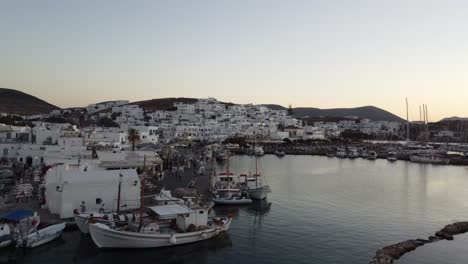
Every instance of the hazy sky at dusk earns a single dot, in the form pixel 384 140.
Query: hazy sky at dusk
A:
pixel 305 53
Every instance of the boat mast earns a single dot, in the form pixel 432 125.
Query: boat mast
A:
pixel 407 122
pixel 118 193
pixel 427 125
pixel 142 199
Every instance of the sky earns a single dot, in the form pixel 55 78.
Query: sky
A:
pixel 325 54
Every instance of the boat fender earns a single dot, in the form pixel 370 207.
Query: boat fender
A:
pixel 203 235
pixel 173 240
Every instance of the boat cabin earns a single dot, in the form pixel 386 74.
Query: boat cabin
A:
pixel 185 216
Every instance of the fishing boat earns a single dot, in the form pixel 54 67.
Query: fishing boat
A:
pixel 392 156
pixel 429 158
pixel 191 225
pixel 16 224
pixel 372 155
pixel 255 184
pixel 42 236
pixel 279 153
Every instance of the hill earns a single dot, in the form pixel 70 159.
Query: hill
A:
pixel 16 102
pixel 163 103
pixel 454 118
pixel 370 112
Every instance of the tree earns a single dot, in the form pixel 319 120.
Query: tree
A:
pixel 290 110
pixel 133 136
pixel 106 122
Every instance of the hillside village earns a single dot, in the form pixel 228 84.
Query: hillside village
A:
pixel 205 120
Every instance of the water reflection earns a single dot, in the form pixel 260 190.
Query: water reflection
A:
pixel 77 248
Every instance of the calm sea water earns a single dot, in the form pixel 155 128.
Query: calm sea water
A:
pixel 323 210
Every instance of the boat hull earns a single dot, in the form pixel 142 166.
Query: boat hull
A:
pixel 82 223
pixel 104 237
pixel 429 160
pixel 232 201
pixel 43 236
pixel 259 193
pixel 5 241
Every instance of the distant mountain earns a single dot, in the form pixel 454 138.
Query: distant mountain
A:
pixel 370 112
pixel 454 118
pixel 16 102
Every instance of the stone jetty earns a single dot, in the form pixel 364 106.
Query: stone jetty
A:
pixel 394 252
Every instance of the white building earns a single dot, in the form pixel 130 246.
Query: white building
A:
pixel 67 188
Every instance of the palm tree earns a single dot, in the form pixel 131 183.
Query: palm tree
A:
pixel 133 136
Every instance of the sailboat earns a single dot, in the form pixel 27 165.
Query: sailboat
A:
pixel 226 188
pixel 255 184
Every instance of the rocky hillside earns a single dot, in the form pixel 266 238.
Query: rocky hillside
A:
pixel 16 102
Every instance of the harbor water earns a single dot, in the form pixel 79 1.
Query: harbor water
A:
pixel 321 210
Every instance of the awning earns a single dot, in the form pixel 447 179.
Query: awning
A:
pixel 17 215
pixel 170 209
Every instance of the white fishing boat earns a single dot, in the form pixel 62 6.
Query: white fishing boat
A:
pixel 42 236
pixel 429 158
pixel 191 225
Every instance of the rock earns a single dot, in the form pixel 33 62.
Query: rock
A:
pixel 393 252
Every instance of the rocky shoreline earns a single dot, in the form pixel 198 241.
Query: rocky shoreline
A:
pixel 394 252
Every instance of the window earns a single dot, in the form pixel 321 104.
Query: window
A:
pixel 98 200
pixel 201 212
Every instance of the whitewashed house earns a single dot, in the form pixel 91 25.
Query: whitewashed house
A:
pixel 68 188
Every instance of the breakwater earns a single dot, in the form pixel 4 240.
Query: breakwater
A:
pixel 389 254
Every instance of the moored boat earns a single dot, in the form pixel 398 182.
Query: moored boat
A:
pixel 429 158
pixel 42 236
pixel 279 153
pixel 191 225
pixel 392 156
pixel 372 155
pixel 233 200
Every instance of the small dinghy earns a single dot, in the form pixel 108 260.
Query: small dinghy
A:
pixel 42 236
